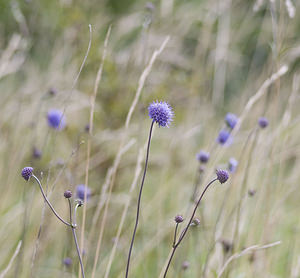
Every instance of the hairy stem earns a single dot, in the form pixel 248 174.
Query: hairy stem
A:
pixel 139 201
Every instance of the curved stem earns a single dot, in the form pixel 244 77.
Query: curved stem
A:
pixel 175 235
pixel 49 204
pixel 175 246
pixel 75 237
pixel 139 201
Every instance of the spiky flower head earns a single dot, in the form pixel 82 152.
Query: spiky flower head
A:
pixel 178 219
pixel 203 156
pixel 231 120
pixel 27 173
pixel 56 119
pixel 80 190
pixel 224 137
pixel 232 164
pixel 161 113
pixel 222 175
pixel 263 122
pixel 68 194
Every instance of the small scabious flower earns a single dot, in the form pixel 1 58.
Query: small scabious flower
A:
pixel 263 122
pixel 36 153
pixel 27 173
pixel 161 113
pixel 224 137
pixel 67 261
pixel 222 175
pixel 56 119
pixel 231 120
pixel 80 191
pixel 203 156
pixel 68 194
pixel 178 219
pixel 232 164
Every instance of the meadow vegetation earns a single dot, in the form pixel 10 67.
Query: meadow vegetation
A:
pixel 76 80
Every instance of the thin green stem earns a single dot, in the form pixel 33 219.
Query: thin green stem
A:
pixel 175 246
pixel 139 201
pixel 73 227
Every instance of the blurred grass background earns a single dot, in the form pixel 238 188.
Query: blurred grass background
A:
pixel 218 56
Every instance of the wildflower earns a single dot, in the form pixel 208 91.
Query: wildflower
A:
pixel 80 191
pixel 232 164
pixel 203 156
pixel 178 219
pixel 36 153
pixel 185 265
pixel 68 194
pixel 263 122
pixel 27 173
pixel 222 175
pixel 161 113
pixel 87 128
pixel 56 119
pixel 231 120
pixel 67 262
pixel 224 137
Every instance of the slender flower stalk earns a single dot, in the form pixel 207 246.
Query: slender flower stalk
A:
pixel 222 176
pixel 162 114
pixel 73 227
pixel 139 201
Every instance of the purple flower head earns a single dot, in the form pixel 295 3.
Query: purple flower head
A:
pixel 178 219
pixel 68 194
pixel 222 175
pixel 67 261
pixel 224 137
pixel 36 153
pixel 80 189
pixel 56 119
pixel 203 156
pixel 161 113
pixel 27 173
pixel 263 122
pixel 231 120
pixel 232 164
